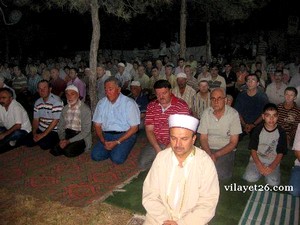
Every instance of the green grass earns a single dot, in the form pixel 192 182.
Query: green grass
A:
pixel 231 204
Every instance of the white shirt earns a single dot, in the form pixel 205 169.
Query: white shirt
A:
pixel 15 114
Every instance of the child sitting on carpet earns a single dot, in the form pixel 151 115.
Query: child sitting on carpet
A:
pixel 268 144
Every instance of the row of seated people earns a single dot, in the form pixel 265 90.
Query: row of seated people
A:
pixel 67 129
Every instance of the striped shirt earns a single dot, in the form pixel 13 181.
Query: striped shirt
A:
pixel 19 82
pixel 48 111
pixel 289 119
pixel 159 119
pixel 187 95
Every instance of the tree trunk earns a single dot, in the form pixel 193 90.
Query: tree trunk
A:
pixel 183 29
pixel 208 44
pixel 94 53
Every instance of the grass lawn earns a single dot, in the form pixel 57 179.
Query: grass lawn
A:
pixel 231 204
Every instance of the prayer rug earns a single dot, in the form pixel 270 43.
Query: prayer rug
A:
pixel 72 181
pixel 271 208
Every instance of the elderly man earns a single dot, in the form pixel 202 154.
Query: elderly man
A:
pixel 46 114
pixel 182 185
pixel 156 121
pixel 116 120
pixel 74 127
pixel 14 121
pixel 141 100
pixel 219 133
pixel 184 91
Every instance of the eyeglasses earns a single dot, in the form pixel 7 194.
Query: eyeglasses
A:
pixel 217 99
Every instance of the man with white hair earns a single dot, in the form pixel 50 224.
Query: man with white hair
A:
pixel 219 133
pixel 184 91
pixel 182 185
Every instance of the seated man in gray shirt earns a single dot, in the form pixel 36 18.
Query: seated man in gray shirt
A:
pixel 219 133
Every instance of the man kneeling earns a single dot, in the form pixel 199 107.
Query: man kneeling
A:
pixel 182 185
pixel 74 127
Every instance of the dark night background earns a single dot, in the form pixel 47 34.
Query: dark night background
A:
pixel 62 33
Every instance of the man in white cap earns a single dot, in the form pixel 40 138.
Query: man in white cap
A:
pixel 46 114
pixel 182 185
pixel 219 133
pixel 141 100
pixel 124 77
pixel 184 91
pixel 74 127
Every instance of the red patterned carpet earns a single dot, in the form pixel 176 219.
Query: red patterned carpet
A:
pixel 71 181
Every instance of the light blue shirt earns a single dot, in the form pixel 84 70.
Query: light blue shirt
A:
pixel 120 116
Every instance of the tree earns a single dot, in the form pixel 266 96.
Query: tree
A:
pixel 124 9
pixel 216 10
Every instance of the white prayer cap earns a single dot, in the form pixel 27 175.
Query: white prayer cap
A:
pixel 184 121
pixel 135 83
pixel 181 75
pixel 72 87
pixel 121 64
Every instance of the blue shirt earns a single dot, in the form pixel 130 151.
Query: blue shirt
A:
pixel 119 116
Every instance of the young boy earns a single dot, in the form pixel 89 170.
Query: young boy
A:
pixel 268 144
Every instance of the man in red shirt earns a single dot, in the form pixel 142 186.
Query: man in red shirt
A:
pixel 156 121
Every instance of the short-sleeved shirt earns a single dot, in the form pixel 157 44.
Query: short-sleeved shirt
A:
pixel 250 107
pixel 220 131
pixel 15 114
pixel 159 119
pixel 289 119
pixel 48 111
pixel 296 146
pixel 268 143
pixel 119 116
pixel 142 102
pixel 187 96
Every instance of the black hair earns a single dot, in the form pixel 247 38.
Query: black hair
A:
pixel 45 81
pixel 162 84
pixel 293 89
pixel 7 90
pixel 270 107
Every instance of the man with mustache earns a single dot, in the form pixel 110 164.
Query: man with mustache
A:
pixel 156 121
pixel 14 121
pixel 182 185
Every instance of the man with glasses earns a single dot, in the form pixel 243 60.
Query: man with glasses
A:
pixel 219 133
pixel 250 104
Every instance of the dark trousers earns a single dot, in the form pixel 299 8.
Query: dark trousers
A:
pixel 71 150
pixel 45 143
